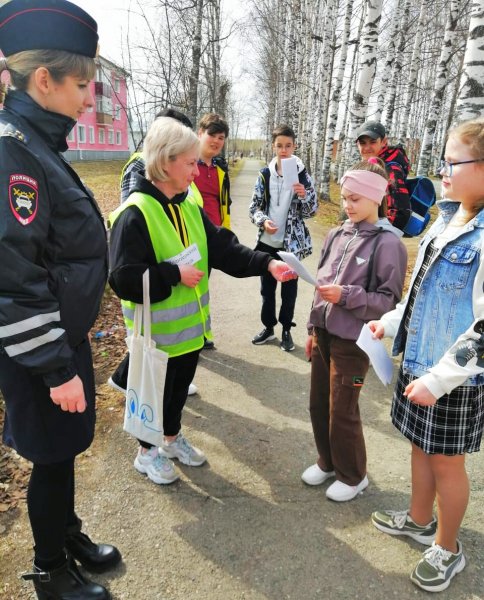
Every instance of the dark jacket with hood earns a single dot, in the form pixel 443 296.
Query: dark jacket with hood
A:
pixel 369 262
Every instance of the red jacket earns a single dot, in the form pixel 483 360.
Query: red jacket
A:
pixel 398 198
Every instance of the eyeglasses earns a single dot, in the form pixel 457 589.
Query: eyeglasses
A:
pixel 445 167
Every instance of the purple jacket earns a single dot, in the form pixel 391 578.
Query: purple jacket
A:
pixel 370 262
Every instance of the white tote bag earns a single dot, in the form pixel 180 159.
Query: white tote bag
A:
pixel 143 417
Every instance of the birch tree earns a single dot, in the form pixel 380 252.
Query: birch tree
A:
pixel 387 68
pixel 470 103
pixel 390 96
pixel 335 101
pixel 439 88
pixel 413 72
pixel 368 54
pixel 196 58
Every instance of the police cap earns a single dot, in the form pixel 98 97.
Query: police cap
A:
pixel 46 25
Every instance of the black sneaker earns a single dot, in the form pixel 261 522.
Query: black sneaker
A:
pixel 286 343
pixel 266 335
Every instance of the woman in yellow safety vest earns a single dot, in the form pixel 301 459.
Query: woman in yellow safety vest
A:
pixel 157 223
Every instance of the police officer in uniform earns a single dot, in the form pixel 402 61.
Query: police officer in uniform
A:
pixel 54 268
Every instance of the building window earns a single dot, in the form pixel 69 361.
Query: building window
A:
pixel 110 136
pixel 91 135
pixel 117 85
pixel 101 136
pixel 81 134
pixel 117 112
pixel 118 138
pixel 71 137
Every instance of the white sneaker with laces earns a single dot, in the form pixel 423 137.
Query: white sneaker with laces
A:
pixel 116 386
pixel 192 389
pixel 314 475
pixel 158 468
pixel 342 492
pixel 181 448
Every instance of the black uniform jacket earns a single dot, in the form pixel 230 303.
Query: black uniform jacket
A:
pixel 53 253
pixel 131 252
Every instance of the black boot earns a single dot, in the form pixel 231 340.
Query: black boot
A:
pixel 65 583
pixel 93 557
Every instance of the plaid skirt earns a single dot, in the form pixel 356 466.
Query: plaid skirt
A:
pixel 452 426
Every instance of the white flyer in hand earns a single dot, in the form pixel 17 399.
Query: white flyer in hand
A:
pixel 290 259
pixel 289 172
pixel 189 256
pixel 377 353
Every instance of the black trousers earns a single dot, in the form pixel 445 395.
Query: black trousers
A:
pixel 268 287
pixel 50 503
pixel 179 374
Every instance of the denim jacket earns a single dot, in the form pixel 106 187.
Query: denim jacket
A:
pixel 445 339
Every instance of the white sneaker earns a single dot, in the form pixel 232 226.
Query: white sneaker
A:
pixel 116 386
pixel 192 389
pixel 314 475
pixel 182 449
pixel 158 468
pixel 341 492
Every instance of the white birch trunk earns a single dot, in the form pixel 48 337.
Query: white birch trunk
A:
pixel 389 59
pixel 470 104
pixel 368 58
pixel 439 89
pixel 335 103
pixel 324 80
pixel 412 72
pixel 388 112
pixel 196 58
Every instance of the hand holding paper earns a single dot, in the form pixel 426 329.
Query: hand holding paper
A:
pixel 381 362
pixel 296 264
pixel 289 172
pixel 281 271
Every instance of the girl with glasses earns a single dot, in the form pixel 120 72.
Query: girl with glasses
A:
pixel 438 402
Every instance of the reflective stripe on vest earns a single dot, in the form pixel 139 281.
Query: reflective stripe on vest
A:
pixel 181 321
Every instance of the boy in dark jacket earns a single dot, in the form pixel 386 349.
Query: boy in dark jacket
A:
pixel 372 141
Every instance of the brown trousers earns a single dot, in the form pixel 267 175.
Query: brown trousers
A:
pixel 338 368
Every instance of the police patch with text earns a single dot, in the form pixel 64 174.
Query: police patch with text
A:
pixel 23 194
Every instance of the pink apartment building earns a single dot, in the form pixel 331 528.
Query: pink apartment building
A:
pixel 102 132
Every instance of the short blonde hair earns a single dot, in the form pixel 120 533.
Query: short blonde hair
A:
pixel 165 140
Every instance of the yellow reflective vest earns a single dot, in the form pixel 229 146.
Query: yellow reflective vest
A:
pixel 180 322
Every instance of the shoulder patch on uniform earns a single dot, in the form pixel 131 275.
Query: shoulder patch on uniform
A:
pixel 23 194
pixel 8 130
